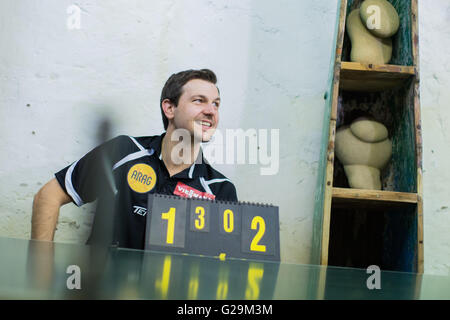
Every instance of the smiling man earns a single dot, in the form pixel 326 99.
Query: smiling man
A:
pixel 171 163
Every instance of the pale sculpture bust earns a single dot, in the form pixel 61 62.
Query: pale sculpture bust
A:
pixel 370 29
pixel 364 149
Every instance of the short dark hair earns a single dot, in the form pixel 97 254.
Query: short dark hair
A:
pixel 173 88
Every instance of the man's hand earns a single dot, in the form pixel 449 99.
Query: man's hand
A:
pixel 46 205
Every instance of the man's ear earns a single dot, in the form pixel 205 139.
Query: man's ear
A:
pixel 168 108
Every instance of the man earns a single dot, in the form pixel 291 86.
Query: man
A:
pixel 137 166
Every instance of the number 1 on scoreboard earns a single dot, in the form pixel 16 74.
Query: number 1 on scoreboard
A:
pixel 170 217
pixel 166 222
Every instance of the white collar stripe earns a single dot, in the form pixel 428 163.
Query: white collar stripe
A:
pixel 191 171
pixel 205 185
pixel 216 180
pixel 133 156
pixel 69 186
pixel 137 144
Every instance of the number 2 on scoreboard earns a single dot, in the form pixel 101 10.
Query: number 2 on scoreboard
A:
pixel 170 217
pixel 258 221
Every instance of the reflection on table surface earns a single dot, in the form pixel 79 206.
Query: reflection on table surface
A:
pixel 39 270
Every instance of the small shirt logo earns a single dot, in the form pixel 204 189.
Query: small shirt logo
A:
pixel 141 178
pixel 186 191
pixel 140 210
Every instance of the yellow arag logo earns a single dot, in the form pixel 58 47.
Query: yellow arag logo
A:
pixel 141 178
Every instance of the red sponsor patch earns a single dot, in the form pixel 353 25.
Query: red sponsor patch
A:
pixel 185 191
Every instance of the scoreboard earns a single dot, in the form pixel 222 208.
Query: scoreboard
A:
pixel 213 228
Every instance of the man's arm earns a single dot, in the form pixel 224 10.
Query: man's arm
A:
pixel 46 205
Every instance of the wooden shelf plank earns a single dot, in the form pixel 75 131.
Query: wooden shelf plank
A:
pixel 357 76
pixel 380 196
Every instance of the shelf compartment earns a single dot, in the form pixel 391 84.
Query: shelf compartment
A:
pixel 395 109
pixel 355 76
pixel 402 47
pixel 382 234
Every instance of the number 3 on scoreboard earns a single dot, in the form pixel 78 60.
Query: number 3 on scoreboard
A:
pixel 258 224
pixel 170 217
pixel 200 220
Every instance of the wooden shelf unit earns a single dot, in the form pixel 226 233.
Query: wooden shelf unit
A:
pixel 392 218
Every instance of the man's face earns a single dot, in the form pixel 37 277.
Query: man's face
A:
pixel 198 109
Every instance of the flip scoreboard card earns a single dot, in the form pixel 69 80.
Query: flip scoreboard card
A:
pixel 213 228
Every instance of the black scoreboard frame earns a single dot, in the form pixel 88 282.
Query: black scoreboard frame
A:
pixel 212 228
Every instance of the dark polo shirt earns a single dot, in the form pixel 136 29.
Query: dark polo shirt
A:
pixel 134 169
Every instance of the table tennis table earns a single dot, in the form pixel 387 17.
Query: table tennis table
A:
pixel 32 269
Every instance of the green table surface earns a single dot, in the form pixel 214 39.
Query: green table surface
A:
pixel 38 270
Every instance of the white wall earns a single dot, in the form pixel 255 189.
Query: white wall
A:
pixel 434 33
pixel 272 60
